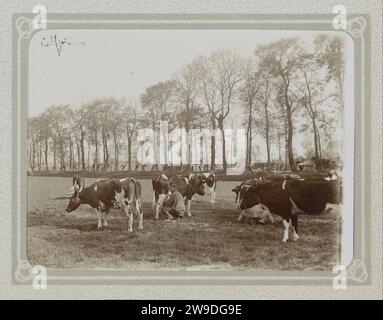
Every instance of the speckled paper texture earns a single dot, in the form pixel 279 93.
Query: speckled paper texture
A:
pixel 368 159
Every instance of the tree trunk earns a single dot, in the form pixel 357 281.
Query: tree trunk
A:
pixel 46 154
pixel 96 151
pixel 40 156
pixel 267 135
pixel 319 144
pixel 249 138
pixel 54 155
pixel 212 144
pixel 315 138
pixel 105 152
pixel 70 154
pixel 290 144
pixel 82 150
pixel 130 153
pixel 78 155
pixel 33 154
pixel 289 132
pixel 116 151
pixel 221 128
pixel 188 138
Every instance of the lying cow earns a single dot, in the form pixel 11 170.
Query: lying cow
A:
pixel 292 198
pixel 187 186
pixel 102 195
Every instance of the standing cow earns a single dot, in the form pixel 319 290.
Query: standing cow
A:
pixel 210 184
pixel 292 198
pixel 102 195
pixel 187 186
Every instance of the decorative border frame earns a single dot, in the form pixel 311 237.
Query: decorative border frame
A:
pixel 358 27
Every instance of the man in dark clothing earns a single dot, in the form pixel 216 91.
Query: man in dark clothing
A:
pixel 174 206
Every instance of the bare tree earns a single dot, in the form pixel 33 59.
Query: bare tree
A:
pixel 156 103
pixel 131 122
pixel 249 90
pixel 330 53
pixel 186 91
pixel 226 75
pixel 210 96
pixel 281 59
pixel 79 121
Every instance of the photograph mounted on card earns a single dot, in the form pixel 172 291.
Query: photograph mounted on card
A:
pixel 191 149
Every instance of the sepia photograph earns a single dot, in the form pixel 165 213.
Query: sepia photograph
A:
pixel 191 156
pixel 189 149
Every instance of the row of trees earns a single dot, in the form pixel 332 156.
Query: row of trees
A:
pixel 284 88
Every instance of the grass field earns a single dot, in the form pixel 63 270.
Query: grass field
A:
pixel 211 239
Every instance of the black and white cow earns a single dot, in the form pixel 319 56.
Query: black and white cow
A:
pixel 160 186
pixel 187 186
pixel 210 184
pixel 292 198
pixel 102 195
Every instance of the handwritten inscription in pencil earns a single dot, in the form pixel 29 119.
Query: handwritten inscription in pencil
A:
pixel 59 44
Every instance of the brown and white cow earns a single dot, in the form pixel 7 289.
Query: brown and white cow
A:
pixel 102 195
pixel 187 186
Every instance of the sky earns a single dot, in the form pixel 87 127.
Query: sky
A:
pixel 122 63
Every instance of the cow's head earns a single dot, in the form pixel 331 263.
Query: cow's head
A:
pixel 74 202
pixel 240 191
pixel 197 183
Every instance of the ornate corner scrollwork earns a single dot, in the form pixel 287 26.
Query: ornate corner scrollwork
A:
pixel 24 271
pixel 356 26
pixel 357 271
pixel 24 27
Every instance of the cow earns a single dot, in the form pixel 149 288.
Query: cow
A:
pixel 243 187
pixel 187 186
pixel 292 198
pixel 102 196
pixel 210 184
pixel 246 184
pixel 160 186
pixel 78 183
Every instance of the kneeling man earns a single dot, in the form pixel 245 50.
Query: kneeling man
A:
pixel 174 205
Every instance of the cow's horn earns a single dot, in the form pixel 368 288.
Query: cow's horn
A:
pixel 62 198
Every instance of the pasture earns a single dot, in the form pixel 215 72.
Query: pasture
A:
pixel 212 239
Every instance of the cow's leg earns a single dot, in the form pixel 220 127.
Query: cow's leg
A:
pixel 106 217
pixel 294 223
pixel 188 205
pixel 129 214
pixel 160 201
pixel 140 214
pixel 154 202
pixel 268 214
pixel 102 216
pixel 99 225
pixel 212 196
pixel 286 226
pixel 241 215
